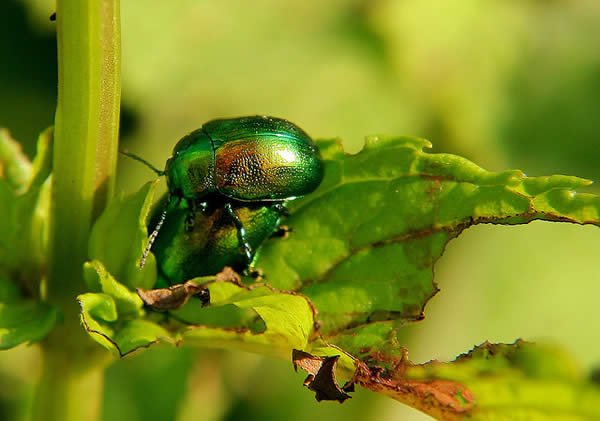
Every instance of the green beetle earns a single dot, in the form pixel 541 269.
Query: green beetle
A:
pixel 214 241
pixel 231 176
pixel 247 158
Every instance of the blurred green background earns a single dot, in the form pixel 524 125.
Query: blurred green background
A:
pixel 508 84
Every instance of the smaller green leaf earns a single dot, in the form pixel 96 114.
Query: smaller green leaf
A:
pixel 42 163
pixel 286 320
pixel 101 319
pixel 15 167
pixel 256 319
pixel 22 320
pixel 119 237
pixel 20 174
pixel 97 311
pixel 127 303
pixel 139 333
pixel 114 316
pixel 24 226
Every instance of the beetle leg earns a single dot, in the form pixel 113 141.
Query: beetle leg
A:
pixel 189 222
pixel 255 273
pixel 241 232
pixel 281 209
pixel 282 232
pixel 194 207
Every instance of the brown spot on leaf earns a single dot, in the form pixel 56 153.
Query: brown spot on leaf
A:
pixel 321 376
pixel 173 297
pixel 442 399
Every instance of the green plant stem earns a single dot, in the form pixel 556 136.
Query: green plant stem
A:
pixel 68 393
pixel 84 164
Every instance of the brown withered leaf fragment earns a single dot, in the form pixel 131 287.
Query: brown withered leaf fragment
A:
pixel 228 275
pixel 173 297
pixel 442 399
pixel 321 376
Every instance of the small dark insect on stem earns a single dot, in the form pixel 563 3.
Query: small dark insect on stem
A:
pixel 53 17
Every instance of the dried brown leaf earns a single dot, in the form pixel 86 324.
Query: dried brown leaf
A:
pixel 173 297
pixel 321 376
pixel 442 399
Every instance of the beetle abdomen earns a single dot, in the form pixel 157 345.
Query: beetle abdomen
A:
pixel 267 167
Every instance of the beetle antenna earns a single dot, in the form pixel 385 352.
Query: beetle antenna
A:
pixel 160 173
pixel 153 236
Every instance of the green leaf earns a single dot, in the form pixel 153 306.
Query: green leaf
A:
pixel 22 320
pixel 113 317
pixel 372 232
pixel 25 202
pixel 119 237
pixel 504 382
pixel 369 236
pixel 15 167
pixel 25 206
pixel 127 303
pixel 269 322
pixel 358 264
pixel 257 319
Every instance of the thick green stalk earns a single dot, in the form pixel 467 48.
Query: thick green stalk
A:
pixel 85 154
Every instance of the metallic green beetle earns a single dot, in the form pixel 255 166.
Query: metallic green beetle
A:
pixel 248 159
pixel 231 176
pixel 213 242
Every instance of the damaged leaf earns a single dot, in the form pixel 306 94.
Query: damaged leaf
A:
pixel 369 237
pixel 321 376
pixel 256 318
pixel 372 232
pixel 114 317
pixel 493 381
pixel 356 266
pixel 440 398
pixel 509 381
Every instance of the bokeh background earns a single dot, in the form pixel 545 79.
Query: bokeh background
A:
pixel 508 84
